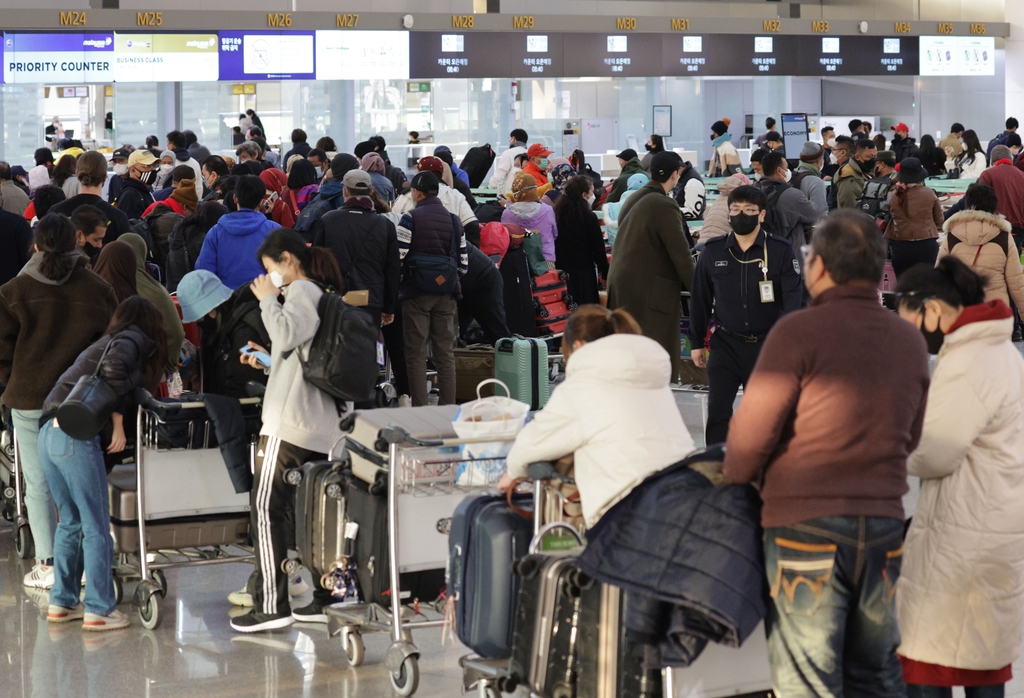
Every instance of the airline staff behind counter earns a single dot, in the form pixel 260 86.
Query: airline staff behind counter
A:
pixel 746 281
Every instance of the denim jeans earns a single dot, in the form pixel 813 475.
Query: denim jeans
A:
pixel 42 514
pixel 832 624
pixel 78 480
pixel 916 691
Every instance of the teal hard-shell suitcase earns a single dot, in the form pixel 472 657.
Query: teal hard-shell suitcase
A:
pixel 522 365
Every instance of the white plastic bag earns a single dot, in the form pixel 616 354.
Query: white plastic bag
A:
pixel 498 417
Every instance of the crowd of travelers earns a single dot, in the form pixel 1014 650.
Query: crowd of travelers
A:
pixel 839 403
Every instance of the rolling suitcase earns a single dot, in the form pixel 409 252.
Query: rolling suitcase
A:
pixel 518 293
pixel 486 538
pixel 610 665
pixel 320 517
pixel 551 287
pixel 477 163
pixel 522 365
pixel 369 452
pixel 887 284
pixel 552 319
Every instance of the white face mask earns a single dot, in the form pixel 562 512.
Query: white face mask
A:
pixel 590 200
pixel 789 175
pixel 831 143
pixel 757 176
pixel 120 169
pixel 276 278
pixel 833 159
pixel 166 169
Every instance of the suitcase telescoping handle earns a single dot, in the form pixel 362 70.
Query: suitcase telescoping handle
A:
pixel 539 537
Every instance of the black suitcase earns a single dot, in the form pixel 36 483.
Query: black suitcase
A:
pixel 486 538
pixel 518 293
pixel 610 666
pixel 320 517
pixel 370 550
pixel 477 163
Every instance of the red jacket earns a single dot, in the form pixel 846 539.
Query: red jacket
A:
pixel 531 169
pixel 1008 182
pixel 168 202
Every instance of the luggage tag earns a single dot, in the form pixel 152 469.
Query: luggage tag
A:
pixel 380 354
pixel 766 287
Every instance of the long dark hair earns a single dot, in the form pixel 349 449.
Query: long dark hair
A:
pixel 141 313
pixel 64 169
pixel 972 146
pixel 302 174
pixel 571 203
pixel 379 204
pixel 55 238
pixel 316 262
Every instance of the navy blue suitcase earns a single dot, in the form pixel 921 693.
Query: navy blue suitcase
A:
pixel 486 537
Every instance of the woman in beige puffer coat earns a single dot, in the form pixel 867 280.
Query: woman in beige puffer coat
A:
pixel 716 218
pixel 981 239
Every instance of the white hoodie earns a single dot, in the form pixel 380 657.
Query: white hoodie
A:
pixel 615 411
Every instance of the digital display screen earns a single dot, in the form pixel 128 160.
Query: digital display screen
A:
pixel 764 44
pixel 857 55
pixel 453 43
pixel 165 57
pixel 537 44
pixel 600 55
pixel 32 58
pixel 368 55
pixel 794 132
pixel 267 55
pixel 481 55
pixel 536 56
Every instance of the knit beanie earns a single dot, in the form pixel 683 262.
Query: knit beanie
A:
pixel 719 127
pixel 1001 152
pixel 186 195
pixel 811 152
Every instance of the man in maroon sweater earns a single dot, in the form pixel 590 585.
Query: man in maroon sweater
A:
pixel 1008 182
pixel 832 410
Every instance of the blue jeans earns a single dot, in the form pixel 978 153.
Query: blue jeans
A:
pixel 994 691
pixel 832 624
pixel 78 480
pixel 42 514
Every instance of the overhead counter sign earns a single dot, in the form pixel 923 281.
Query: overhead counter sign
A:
pixel 165 57
pixel 30 58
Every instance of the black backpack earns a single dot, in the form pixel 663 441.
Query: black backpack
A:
pixel 773 221
pixel 875 194
pixel 312 213
pixel 477 163
pixel 343 355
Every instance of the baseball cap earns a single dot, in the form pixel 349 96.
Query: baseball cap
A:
pixel 901 127
pixel 537 151
pixel 425 182
pixel 141 157
pixel 19 171
pixel 430 164
pixel 664 164
pixel 627 154
pixel 120 154
pixel 357 181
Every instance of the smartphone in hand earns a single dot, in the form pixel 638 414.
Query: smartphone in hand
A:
pixel 262 357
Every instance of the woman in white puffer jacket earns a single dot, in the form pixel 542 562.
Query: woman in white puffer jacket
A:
pixel 960 599
pixel 614 410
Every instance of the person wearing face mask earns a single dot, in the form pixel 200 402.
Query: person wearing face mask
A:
pixel 165 170
pixel 505 163
pixel 960 605
pixel 725 159
pixel 773 142
pixel 579 247
pixel 300 422
pixel 537 163
pixel 808 176
pixel 229 250
pixel 136 195
pixel 630 165
pixel 789 213
pixel 652 262
pixel 745 282
pixel 90 229
pixel 827 426
pixel 755 163
pixel 849 180
pixel 215 171
pixel 655 144
pixel 119 163
pixel 915 218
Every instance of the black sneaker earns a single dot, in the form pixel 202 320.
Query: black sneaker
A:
pixel 313 613
pixel 254 622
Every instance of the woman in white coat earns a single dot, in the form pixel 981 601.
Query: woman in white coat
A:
pixel 960 599
pixel 614 411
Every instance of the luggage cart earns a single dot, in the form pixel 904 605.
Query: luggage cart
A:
pixel 14 494
pixel 427 480
pixel 179 525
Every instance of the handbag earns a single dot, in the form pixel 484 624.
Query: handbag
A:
pixel 89 405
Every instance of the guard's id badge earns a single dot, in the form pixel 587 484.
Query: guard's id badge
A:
pixel 767 291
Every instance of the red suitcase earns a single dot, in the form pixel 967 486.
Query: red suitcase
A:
pixel 551 287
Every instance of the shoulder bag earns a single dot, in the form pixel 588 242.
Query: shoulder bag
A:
pixel 89 404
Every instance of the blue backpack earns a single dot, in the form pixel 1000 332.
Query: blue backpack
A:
pixel 314 211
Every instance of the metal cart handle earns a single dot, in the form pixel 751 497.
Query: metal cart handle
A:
pixel 545 470
pixel 144 398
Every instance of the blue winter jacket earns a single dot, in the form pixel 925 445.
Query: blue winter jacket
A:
pixel 229 250
pixel 690 556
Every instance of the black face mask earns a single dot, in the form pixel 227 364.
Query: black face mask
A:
pixel 147 177
pixel 744 223
pixel 649 147
pixel 90 251
pixel 207 325
pixel 868 166
pixel 934 338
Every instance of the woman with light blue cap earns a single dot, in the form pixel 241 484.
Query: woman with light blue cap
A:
pixel 227 322
pixel 611 211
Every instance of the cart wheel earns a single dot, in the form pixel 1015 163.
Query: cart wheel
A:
pixel 354 648
pixel 147 598
pixel 293 476
pixel 160 580
pixel 118 590
pixel 562 691
pixel 407 680
pixel 23 543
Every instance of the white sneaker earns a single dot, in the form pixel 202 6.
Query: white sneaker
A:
pixel 296 587
pixel 404 401
pixel 98 624
pixel 59 614
pixel 41 576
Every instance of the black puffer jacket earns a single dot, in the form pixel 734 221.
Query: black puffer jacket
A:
pixel 183 247
pixel 366 247
pixel 238 322
pixel 123 369
pixel 689 554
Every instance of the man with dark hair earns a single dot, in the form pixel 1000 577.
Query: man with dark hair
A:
pixel 47 197
pixel 517 141
pixel 652 263
pixel 769 126
pixel 842 150
pixel 789 212
pixel 43 156
pixel 299 146
pixel 229 250
pixel 827 428
pixel 90 228
pixel 755 163
pixel 196 150
pixel 773 142
pixel 951 144
pixel 745 281
pixel 828 135
pixel 215 171
pixel 429 229
pixel 856 129
pixel 177 143
pixel 849 180
pixel 318 159
pixel 91 170
pixel 902 144
pixel 1011 127
pixel 364 148
pixel 14 199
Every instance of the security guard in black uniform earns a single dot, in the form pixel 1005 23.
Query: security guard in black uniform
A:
pixel 746 280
